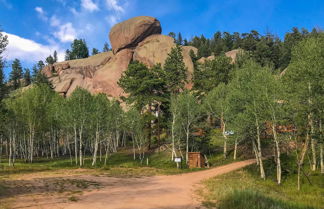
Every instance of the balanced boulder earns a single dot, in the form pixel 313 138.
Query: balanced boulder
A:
pixel 129 33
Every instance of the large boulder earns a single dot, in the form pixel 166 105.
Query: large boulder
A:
pixel 106 78
pixel 155 49
pixel 129 33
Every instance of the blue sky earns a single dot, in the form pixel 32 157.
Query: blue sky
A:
pixel 38 27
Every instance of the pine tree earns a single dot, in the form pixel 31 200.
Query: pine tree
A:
pixel 106 47
pixel 27 77
pixel 95 51
pixel 16 74
pixel 179 39
pixel 67 55
pixel 55 56
pixel 175 70
pixel 50 60
pixel 79 49
pixel 3 44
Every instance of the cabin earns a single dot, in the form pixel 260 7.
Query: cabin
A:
pixel 196 160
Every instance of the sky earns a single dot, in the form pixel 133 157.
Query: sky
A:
pixel 38 27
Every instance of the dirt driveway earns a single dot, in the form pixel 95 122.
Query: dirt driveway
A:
pixel 175 191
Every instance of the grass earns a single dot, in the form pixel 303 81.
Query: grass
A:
pixel 120 164
pixel 244 189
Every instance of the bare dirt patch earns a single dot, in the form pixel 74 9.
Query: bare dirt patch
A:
pixel 101 191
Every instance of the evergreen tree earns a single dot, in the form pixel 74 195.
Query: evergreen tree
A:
pixel 175 70
pixel 106 47
pixel 143 85
pixel 179 40
pixel 95 51
pixel 3 45
pixel 27 77
pixel 50 60
pixel 16 75
pixel 172 35
pixel 67 55
pixel 55 56
pixel 211 73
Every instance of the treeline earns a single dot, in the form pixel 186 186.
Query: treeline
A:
pixel 266 49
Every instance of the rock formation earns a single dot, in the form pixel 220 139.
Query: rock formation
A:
pixel 232 54
pixel 129 33
pixel 138 38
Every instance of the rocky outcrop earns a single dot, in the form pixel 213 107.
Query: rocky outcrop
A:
pixel 232 54
pixel 155 49
pixel 134 39
pixel 106 78
pixel 129 33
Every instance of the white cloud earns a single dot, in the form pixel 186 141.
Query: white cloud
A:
pixel 89 5
pixel 29 50
pixel 54 21
pixel 114 5
pixel 66 32
pixel 112 20
pixel 41 13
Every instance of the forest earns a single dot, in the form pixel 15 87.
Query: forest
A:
pixel 270 102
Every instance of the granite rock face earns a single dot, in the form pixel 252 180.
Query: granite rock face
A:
pixel 129 33
pixel 134 39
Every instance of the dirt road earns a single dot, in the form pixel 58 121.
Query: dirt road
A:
pixel 175 191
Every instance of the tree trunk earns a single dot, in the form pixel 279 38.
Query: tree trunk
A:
pixel 255 152
pixel 187 143
pixel 80 147
pixel 75 145
pixel 94 159
pixel 321 156
pixel 10 149
pixel 173 137
pixel 262 173
pixel 235 149
pixel 321 146
pixel 223 127
pixel 278 162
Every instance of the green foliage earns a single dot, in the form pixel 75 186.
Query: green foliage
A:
pixel 266 50
pixel 27 77
pixel 95 51
pixel 79 50
pixel 50 60
pixel 254 200
pixel 16 74
pixel 175 70
pixel 106 47
pixel 143 85
pixel 211 73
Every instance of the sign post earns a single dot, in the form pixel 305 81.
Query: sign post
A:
pixel 178 160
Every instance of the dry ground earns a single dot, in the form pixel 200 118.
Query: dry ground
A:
pixel 82 190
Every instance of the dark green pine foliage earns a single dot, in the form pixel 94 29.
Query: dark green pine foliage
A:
pixel 50 60
pixel 38 77
pixel 106 47
pixel 16 75
pixel 55 56
pixel 95 51
pixel 179 40
pixel 3 87
pixel 175 70
pixel 211 73
pixel 27 77
pixel 79 50
pixel 143 85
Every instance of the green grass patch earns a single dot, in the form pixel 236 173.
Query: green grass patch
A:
pixel 244 189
